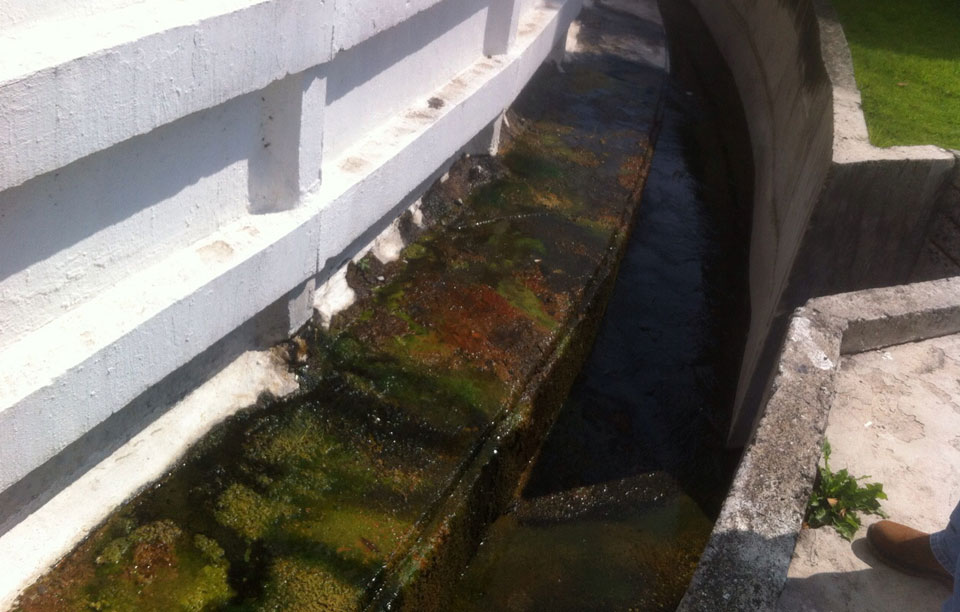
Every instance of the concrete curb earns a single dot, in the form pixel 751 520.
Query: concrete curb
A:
pixel 744 565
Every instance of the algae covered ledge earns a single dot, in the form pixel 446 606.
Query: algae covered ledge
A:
pixel 422 405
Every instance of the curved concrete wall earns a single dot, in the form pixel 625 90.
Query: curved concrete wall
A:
pixel 831 212
pixel 168 173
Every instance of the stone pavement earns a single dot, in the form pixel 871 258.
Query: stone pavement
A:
pixel 896 418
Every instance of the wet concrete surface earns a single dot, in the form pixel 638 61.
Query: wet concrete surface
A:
pixel 623 496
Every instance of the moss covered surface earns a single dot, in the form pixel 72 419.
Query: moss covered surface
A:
pixel 309 502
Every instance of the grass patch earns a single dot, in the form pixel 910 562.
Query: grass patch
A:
pixel 906 56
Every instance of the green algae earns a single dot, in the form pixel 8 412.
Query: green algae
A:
pixel 512 247
pixel 444 397
pixel 423 346
pixel 414 251
pixel 323 503
pixel 599 227
pixel 585 81
pixel 294 584
pixel 159 561
pixel 551 159
pixel 554 142
pixel 248 513
pixel 524 162
pixel 527 301
pixel 359 535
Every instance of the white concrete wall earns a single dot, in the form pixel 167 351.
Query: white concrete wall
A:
pixel 170 170
pixel 371 82
pixel 25 13
pixel 69 234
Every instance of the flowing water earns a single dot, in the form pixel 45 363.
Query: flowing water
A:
pixel 623 496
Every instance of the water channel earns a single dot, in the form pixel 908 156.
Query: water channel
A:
pixel 624 494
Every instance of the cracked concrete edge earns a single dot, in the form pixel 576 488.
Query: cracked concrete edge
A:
pixel 744 565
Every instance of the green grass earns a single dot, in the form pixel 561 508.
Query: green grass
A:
pixel 906 56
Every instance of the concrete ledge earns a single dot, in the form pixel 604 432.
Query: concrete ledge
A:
pixel 79 87
pixel 745 563
pixel 84 81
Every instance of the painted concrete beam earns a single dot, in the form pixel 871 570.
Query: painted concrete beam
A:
pixel 359 20
pixel 68 89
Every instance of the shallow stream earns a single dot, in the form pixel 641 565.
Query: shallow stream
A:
pixel 624 494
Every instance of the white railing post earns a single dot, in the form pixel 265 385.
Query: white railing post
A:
pixel 286 161
pixel 312 111
pixel 502 20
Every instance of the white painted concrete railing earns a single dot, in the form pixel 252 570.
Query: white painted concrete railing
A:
pixel 168 170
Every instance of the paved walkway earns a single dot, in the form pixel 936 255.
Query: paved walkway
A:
pixel 896 417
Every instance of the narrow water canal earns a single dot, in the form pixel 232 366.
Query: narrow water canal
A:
pixel 623 496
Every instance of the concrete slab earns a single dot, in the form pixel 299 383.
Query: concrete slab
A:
pixel 896 417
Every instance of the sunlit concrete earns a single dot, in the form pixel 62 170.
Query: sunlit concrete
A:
pixel 895 419
pixel 880 366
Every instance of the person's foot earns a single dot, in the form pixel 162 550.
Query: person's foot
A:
pixel 906 549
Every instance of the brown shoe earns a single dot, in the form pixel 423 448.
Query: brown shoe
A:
pixel 908 550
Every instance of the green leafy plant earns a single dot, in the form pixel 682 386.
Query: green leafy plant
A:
pixel 837 497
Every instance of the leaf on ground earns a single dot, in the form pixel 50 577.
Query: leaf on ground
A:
pixel 838 496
